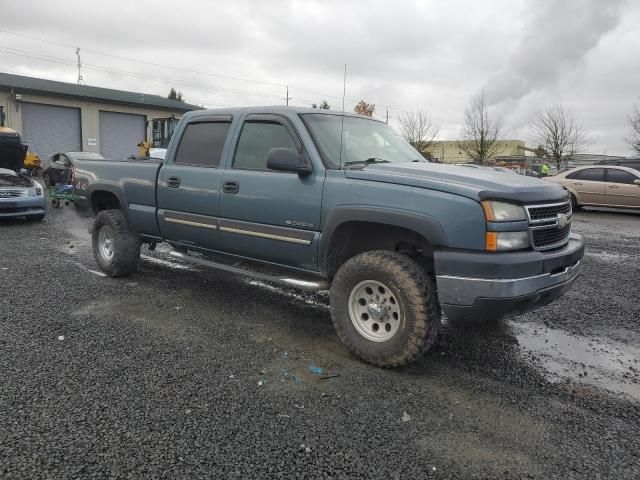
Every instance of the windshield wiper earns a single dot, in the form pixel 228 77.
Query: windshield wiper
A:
pixel 366 162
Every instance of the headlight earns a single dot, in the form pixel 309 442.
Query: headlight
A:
pixel 37 189
pixel 502 211
pixel 501 241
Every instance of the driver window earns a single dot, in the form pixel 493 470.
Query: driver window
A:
pixel 256 139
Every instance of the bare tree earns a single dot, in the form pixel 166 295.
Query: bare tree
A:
pixel 364 108
pixel 480 134
pixel 559 134
pixel 634 120
pixel 419 129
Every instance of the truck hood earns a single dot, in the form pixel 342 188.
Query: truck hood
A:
pixel 476 183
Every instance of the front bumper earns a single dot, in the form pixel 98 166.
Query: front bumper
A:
pixel 490 285
pixel 23 206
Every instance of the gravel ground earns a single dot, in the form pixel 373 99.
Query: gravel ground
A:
pixel 178 372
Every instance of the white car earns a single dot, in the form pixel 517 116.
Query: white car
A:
pixel 20 196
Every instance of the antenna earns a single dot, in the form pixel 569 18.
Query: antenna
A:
pixel 344 86
pixel 287 97
pixel 344 92
pixel 80 79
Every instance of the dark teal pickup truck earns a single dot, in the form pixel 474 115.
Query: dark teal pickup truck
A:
pixel 326 200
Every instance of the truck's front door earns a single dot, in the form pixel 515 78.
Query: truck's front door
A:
pixel 264 214
pixel 189 183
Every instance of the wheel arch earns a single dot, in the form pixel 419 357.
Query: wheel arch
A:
pixel 106 198
pixel 353 230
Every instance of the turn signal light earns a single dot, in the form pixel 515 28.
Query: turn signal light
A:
pixel 491 241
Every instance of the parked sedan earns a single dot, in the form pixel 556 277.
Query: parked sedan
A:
pixel 601 186
pixel 20 196
pixel 59 168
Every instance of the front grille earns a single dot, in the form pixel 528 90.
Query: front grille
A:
pixel 550 237
pixel 548 211
pixel 549 225
pixel 12 193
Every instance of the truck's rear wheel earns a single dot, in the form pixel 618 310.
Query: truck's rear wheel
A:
pixel 115 248
pixel 384 308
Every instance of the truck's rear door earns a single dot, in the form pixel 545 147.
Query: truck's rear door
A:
pixel 189 183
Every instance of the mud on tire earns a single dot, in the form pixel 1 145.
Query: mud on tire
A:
pixel 115 248
pixel 414 300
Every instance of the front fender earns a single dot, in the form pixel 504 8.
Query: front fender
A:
pixel 425 226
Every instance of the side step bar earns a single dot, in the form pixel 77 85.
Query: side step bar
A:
pixel 289 281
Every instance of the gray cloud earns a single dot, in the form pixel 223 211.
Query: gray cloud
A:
pixel 557 36
pixel 407 54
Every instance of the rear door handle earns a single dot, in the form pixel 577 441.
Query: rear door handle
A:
pixel 173 182
pixel 613 186
pixel 577 183
pixel 230 186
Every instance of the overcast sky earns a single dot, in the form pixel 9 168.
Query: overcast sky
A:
pixel 407 55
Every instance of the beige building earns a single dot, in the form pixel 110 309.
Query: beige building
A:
pixel 449 151
pixel 57 117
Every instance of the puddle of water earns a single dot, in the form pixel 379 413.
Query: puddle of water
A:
pixel 596 361
pixel 86 269
pixel 610 257
pixel 168 263
pixel 290 294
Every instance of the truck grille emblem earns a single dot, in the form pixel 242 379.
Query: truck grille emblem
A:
pixel 562 221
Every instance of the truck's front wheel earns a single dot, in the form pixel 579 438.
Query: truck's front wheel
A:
pixel 384 308
pixel 115 248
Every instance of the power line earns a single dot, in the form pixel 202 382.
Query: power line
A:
pixel 172 67
pixel 98 52
pixel 91 66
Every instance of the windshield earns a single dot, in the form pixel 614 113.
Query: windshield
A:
pixel 364 141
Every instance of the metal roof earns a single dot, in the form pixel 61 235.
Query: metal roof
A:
pixel 21 84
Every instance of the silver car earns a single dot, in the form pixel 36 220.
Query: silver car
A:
pixel 20 196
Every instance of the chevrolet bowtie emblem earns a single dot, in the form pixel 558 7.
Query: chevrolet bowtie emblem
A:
pixel 562 220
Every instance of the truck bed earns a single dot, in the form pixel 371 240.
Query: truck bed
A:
pixel 133 182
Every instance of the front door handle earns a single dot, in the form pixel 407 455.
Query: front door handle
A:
pixel 230 186
pixel 613 186
pixel 577 183
pixel 173 182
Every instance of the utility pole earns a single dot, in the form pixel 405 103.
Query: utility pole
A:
pixel 79 66
pixel 287 98
pixel 387 115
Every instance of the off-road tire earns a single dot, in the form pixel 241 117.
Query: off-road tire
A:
pixel 126 244
pixel 416 294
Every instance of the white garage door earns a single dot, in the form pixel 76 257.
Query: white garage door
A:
pixel 49 129
pixel 120 133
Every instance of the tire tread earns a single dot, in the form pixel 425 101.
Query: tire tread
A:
pixel 421 294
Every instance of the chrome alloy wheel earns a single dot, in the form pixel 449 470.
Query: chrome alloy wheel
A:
pixel 105 243
pixel 375 311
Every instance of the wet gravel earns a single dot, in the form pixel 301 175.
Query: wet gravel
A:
pixel 186 373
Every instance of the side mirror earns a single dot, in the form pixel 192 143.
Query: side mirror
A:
pixel 637 181
pixel 287 160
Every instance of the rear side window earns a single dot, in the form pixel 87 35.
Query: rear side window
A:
pixel 620 176
pixel 256 139
pixel 589 174
pixel 201 144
